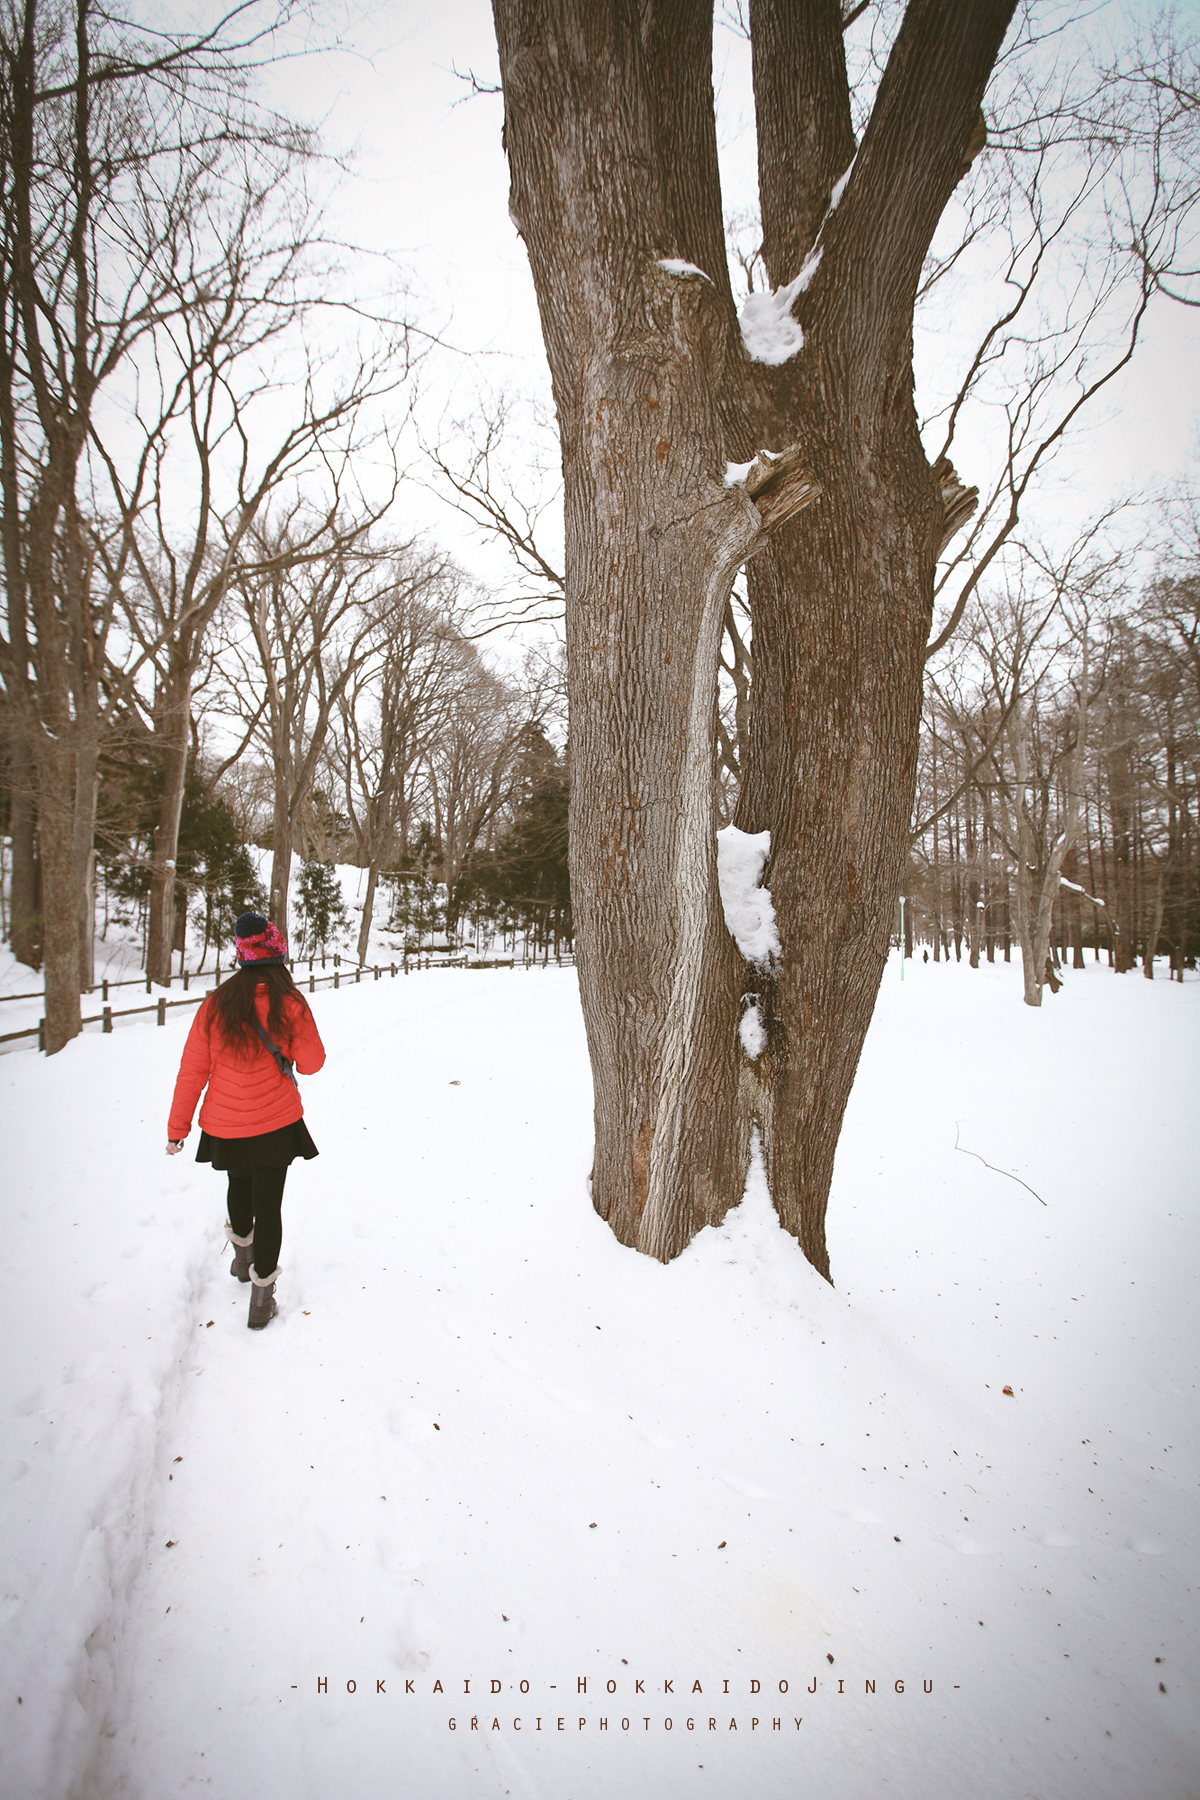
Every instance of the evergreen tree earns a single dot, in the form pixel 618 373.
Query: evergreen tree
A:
pixel 417 910
pixel 320 904
pixel 526 875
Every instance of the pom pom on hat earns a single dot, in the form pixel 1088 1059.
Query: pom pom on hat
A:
pixel 258 941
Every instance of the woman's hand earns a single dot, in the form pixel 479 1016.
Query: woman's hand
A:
pixel 174 1149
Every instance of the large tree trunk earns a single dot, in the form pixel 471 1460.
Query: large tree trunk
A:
pixel 657 973
pixel 611 140
pixel 654 540
pixel 838 654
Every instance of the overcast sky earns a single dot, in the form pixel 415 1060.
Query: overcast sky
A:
pixel 429 188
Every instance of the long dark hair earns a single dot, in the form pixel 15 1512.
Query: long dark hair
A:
pixel 231 1006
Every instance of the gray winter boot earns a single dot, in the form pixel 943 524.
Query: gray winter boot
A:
pixel 262 1300
pixel 242 1248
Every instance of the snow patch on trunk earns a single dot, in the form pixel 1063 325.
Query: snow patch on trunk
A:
pixel 769 332
pixel 839 186
pixel 751 1030
pixel 748 907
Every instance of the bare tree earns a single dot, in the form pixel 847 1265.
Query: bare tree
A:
pixel 393 710
pixel 1002 783
pixel 301 623
pixel 471 766
pixel 112 137
pixel 518 509
pixel 170 595
pixel 1038 784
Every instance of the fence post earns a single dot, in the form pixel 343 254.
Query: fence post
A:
pixel 185 980
pixel 336 979
pixel 147 984
pixel 312 980
pixel 393 971
pixel 162 1012
pixel 42 1035
pixel 107 1025
pixel 337 959
pixel 357 973
pixel 104 989
pixel 377 973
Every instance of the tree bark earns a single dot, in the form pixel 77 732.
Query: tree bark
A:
pixel 55 764
pixel 172 729
pixel 87 791
pixel 281 859
pixel 25 920
pixel 1154 929
pixel 368 912
pixel 1073 906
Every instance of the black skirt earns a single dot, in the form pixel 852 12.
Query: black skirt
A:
pixel 269 1150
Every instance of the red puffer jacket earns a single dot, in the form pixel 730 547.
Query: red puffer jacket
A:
pixel 247 1091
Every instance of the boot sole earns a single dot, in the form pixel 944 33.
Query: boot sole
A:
pixel 261 1324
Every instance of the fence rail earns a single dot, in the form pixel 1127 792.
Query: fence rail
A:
pixel 350 976
pixel 446 951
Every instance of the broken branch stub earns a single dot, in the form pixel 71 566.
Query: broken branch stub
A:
pixel 958 501
pixel 780 483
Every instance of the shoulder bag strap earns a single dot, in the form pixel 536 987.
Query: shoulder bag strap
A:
pixel 285 1067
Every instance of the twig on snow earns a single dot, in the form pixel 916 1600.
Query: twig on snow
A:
pixel 994 1169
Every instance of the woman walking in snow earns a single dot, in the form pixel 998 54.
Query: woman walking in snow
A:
pixel 242 1045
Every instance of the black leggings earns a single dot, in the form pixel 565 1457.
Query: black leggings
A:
pixel 255 1197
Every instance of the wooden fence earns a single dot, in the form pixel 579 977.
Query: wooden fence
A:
pixel 350 976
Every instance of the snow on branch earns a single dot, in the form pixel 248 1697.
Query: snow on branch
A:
pixel 675 265
pixel 1076 889
pixel 748 907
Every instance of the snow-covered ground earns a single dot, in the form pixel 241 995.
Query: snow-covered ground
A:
pixel 323 1560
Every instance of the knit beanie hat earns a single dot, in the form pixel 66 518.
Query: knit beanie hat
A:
pixel 258 941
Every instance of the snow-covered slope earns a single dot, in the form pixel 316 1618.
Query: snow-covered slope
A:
pixel 483 1444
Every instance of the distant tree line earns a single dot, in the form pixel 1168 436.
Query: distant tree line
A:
pixel 1059 776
